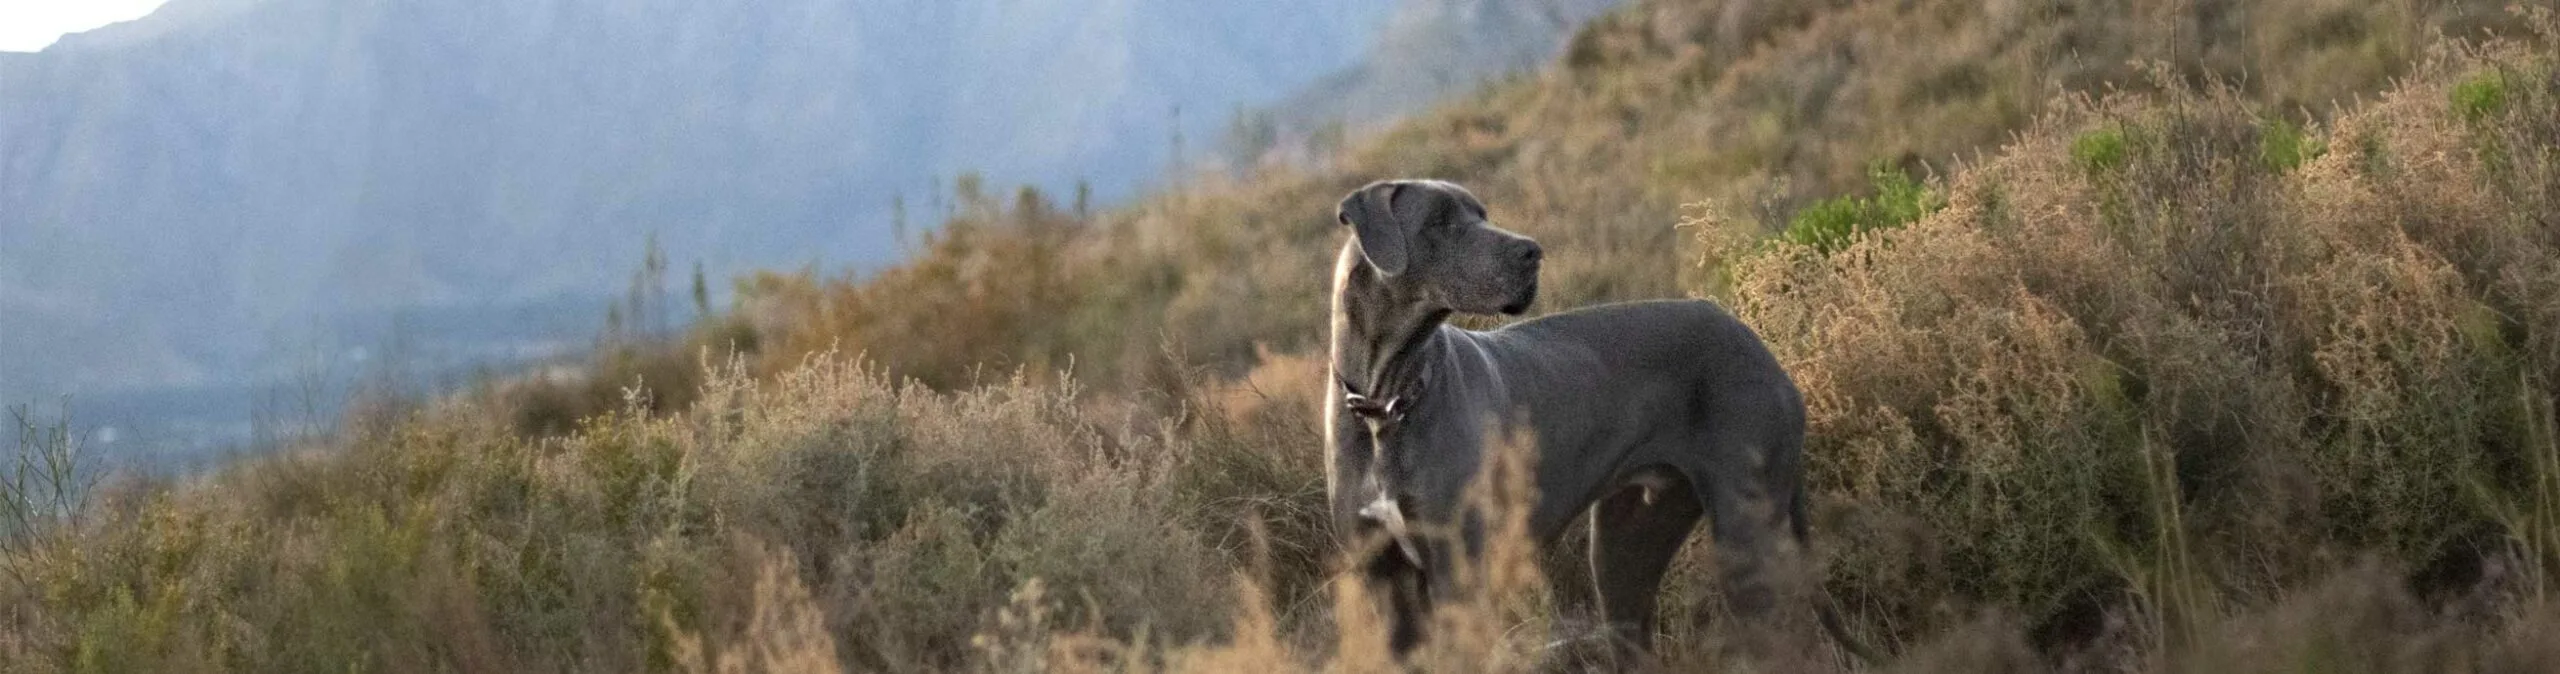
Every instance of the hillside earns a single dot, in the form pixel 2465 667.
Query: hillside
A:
pixel 1759 107
pixel 2180 375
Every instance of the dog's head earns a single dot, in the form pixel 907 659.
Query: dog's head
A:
pixel 1429 241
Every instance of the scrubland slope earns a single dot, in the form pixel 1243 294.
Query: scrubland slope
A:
pixel 1762 107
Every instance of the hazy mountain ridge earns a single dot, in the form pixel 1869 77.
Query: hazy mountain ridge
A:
pixel 180 193
pixel 1432 48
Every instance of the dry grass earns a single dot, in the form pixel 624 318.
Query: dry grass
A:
pixel 454 543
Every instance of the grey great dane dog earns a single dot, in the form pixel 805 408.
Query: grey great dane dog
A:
pixel 1647 415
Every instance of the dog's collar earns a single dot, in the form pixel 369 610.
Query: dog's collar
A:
pixel 1391 408
pixel 1408 363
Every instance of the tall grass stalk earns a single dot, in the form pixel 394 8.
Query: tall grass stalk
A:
pixel 46 486
pixel 2174 597
pixel 2529 516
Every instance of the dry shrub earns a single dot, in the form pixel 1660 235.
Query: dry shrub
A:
pixel 2364 619
pixel 2095 368
pixel 955 500
pixel 1252 473
pixel 1987 644
pixel 1497 619
pixel 903 516
pixel 785 632
pixel 660 378
pixel 1257 645
pixel 978 299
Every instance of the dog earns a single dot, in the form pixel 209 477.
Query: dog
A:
pixel 1647 416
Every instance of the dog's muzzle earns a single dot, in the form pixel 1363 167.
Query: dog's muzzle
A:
pixel 1528 294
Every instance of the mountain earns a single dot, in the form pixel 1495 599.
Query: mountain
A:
pixel 198 196
pixel 1429 50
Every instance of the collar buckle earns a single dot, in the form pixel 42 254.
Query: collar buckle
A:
pixel 1371 408
pixel 1392 409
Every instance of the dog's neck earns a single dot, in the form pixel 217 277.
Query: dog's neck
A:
pixel 1380 340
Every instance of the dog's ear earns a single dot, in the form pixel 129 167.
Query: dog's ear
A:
pixel 1371 213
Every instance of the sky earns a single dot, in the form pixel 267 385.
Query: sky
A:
pixel 29 25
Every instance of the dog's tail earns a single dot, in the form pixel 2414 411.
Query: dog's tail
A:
pixel 1822 602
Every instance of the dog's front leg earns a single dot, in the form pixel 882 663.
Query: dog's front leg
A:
pixel 1347 473
pixel 1394 571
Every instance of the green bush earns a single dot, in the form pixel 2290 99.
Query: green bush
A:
pixel 2481 96
pixel 2101 150
pixel 1832 224
pixel 2283 146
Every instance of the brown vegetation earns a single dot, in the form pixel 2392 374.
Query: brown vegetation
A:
pixel 2179 375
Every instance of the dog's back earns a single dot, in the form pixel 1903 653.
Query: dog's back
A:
pixel 1657 382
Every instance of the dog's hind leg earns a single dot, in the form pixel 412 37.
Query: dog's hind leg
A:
pixel 1635 532
pixel 1751 521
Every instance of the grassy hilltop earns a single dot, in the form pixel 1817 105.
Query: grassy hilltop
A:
pixel 2188 336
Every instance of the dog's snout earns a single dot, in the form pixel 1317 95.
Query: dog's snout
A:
pixel 1529 252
